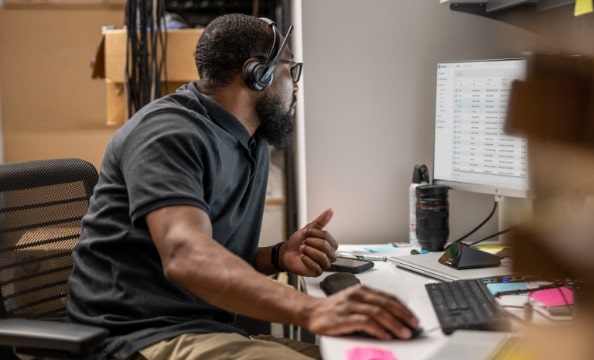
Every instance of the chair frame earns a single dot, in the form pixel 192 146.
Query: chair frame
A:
pixel 42 339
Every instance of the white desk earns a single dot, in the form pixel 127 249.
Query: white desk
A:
pixel 410 288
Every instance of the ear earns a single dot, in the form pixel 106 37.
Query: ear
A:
pixel 254 74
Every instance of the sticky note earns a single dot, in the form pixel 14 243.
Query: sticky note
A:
pixel 491 248
pixel 380 248
pixel 553 297
pixel 582 7
pixel 495 288
pixel 369 353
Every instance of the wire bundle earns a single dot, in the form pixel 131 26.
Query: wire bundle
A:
pixel 145 51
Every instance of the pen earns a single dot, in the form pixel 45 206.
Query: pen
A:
pixel 361 257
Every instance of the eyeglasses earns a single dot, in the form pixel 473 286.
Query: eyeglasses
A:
pixel 294 67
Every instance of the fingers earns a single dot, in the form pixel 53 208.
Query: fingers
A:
pixel 312 234
pixel 384 310
pixel 372 321
pixel 374 312
pixel 318 253
pixel 314 267
pixel 322 220
pixel 325 246
pixel 317 248
pixel 360 323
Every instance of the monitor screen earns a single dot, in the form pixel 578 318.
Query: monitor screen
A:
pixel 471 150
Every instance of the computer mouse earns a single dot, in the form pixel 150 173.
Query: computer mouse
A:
pixel 416 332
pixel 340 280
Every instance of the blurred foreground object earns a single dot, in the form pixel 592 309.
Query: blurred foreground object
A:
pixel 554 109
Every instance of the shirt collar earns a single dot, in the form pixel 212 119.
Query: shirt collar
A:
pixel 223 118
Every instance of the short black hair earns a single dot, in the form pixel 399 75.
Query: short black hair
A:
pixel 226 43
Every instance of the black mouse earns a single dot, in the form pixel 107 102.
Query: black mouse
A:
pixel 416 332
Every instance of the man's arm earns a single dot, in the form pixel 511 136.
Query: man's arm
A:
pixel 308 252
pixel 193 260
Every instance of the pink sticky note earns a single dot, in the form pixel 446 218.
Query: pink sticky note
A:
pixel 553 297
pixel 369 353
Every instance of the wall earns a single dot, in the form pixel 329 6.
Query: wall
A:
pixel 368 106
pixel 50 105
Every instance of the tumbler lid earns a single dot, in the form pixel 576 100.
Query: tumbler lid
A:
pixel 432 189
pixel 420 174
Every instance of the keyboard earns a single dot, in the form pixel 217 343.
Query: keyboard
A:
pixel 466 304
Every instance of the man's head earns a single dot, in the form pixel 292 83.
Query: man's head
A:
pixel 227 43
pixel 238 45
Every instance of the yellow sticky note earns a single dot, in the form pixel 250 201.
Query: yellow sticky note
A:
pixel 582 7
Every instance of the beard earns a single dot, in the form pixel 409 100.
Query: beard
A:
pixel 277 125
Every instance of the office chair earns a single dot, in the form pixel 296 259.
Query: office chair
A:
pixel 41 206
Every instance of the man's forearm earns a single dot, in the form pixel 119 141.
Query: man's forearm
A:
pixel 238 288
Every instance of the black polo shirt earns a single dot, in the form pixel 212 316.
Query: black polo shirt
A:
pixel 183 149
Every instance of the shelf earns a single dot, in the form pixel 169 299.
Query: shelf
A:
pixel 493 8
pixel 201 12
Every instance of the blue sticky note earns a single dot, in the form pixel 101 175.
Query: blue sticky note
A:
pixel 380 248
pixel 495 288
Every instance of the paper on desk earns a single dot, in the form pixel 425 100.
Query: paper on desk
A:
pixel 369 353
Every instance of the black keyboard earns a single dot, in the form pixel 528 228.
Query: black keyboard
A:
pixel 466 304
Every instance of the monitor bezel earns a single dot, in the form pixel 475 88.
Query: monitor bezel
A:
pixel 488 189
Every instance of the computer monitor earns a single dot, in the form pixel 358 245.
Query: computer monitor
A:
pixel 472 152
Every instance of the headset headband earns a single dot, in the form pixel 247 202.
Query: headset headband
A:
pixel 272 61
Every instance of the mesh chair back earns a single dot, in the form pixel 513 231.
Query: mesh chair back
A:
pixel 41 207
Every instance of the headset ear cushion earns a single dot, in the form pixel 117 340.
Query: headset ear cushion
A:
pixel 253 73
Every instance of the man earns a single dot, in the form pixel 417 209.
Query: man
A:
pixel 169 249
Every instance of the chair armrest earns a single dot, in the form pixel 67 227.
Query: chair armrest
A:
pixel 53 336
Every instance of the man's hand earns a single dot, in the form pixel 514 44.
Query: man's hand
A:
pixel 311 249
pixel 362 309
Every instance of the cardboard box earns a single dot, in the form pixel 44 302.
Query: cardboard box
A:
pixel 88 144
pixel 61 3
pixel 110 64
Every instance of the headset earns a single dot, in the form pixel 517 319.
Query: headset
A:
pixel 257 74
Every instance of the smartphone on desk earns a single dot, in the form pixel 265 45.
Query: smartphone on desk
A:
pixel 354 266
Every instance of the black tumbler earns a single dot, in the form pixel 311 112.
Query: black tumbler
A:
pixel 433 218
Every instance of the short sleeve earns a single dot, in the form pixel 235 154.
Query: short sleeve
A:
pixel 163 163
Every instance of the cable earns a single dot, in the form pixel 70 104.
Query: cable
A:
pixel 491 236
pixel 132 57
pixel 162 37
pixel 479 225
pixel 528 310
pixel 255 7
pixel 565 301
pixel 535 309
pixel 553 285
pixel 550 318
pixel 154 69
pixel 145 52
pixel 432 329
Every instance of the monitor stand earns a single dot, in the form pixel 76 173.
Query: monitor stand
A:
pixel 462 256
